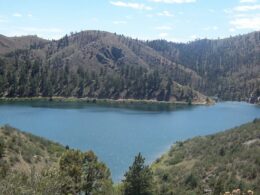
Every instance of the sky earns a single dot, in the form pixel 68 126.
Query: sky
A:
pixel 173 20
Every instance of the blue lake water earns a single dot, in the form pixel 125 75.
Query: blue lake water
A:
pixel 117 134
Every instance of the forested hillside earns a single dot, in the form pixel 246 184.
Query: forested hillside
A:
pixel 213 164
pixel 99 64
pixel 95 64
pixel 230 67
pixel 9 44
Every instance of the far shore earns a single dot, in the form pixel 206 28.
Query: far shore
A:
pixel 103 101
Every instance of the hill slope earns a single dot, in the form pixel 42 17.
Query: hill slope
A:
pixel 8 44
pixel 100 64
pixel 22 151
pixel 230 67
pixel 95 64
pixel 212 164
pixel 34 165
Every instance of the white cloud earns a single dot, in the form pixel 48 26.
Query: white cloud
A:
pixel 240 15
pixel 174 1
pixel 138 6
pixel 248 1
pixel 244 8
pixel 17 15
pixel 228 11
pixel 163 28
pixel 252 23
pixel 245 16
pixel 29 15
pixel 163 35
pixel 119 22
pixel 44 32
pixel 165 13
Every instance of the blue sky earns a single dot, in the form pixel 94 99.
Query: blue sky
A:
pixel 173 20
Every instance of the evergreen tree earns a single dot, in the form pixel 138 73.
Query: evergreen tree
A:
pixel 139 178
pixel 95 176
pixel 71 166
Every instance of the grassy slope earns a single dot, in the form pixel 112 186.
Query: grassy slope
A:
pixel 24 150
pixel 217 163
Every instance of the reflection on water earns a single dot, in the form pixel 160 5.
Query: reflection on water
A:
pixel 159 107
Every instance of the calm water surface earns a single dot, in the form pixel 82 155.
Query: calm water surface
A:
pixel 117 134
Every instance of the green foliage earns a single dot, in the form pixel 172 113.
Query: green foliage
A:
pixel 95 176
pixel 215 163
pixel 191 181
pixel 30 166
pixel 49 181
pixel 20 146
pixel 86 173
pixel 139 178
pixel 71 166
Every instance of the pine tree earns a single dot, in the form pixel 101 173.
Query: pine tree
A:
pixel 139 178
pixel 95 176
pixel 71 166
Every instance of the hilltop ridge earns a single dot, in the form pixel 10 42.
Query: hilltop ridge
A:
pixel 98 64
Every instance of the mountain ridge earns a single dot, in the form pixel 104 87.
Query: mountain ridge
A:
pixel 205 66
pixel 106 57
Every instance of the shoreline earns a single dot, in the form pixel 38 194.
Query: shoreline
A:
pixel 102 101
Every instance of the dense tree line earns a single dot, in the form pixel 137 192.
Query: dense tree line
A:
pixel 30 77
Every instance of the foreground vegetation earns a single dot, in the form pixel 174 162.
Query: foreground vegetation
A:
pixel 33 165
pixel 213 164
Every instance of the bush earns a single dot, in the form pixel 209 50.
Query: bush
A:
pixel 2 148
